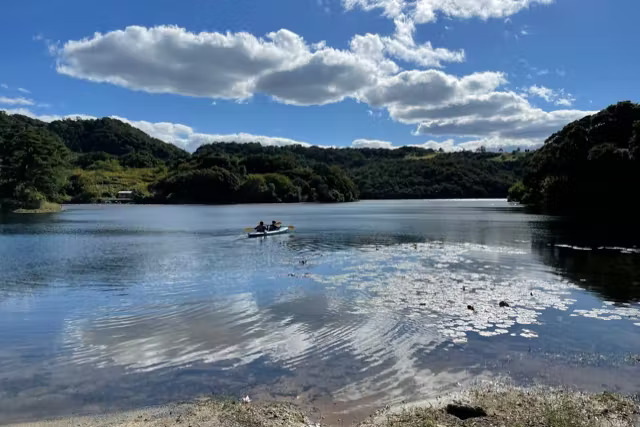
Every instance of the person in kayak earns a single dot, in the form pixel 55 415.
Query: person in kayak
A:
pixel 261 228
pixel 274 226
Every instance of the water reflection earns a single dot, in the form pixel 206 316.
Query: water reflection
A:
pixel 364 305
pixel 603 261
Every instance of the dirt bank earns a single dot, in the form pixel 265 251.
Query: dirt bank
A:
pixel 485 408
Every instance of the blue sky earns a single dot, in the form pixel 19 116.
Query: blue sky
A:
pixel 454 74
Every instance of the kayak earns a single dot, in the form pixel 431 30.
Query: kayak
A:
pixel 282 230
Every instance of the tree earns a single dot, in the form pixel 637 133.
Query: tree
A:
pixel 517 192
pixel 33 167
pixel 634 142
pixel 214 185
pixel 586 167
pixel 255 190
pixel 282 187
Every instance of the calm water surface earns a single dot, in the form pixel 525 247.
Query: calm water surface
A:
pixel 116 307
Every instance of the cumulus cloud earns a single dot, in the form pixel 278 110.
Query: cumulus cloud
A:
pixel 178 134
pixel 423 11
pixel 478 106
pixel 531 123
pixel 187 138
pixel 371 143
pixel 448 145
pixel 470 106
pixel 45 117
pixel 403 46
pixel 428 88
pixel 168 59
pixel 15 101
pixel 329 76
pixel 490 144
pixel 283 65
pixel 233 65
pixel 557 97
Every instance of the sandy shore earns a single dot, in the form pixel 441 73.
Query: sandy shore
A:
pixel 484 407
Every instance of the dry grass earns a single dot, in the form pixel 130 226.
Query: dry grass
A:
pixel 507 407
pixel 522 408
pixel 204 412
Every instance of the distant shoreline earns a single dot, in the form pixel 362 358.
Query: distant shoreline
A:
pixel 488 199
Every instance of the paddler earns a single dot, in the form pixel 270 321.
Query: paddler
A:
pixel 274 226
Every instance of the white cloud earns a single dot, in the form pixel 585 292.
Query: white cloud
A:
pixel 233 65
pixel 491 144
pixel 167 59
pixel 424 54
pixel 542 92
pixel 371 143
pixel 23 90
pixel 187 138
pixel 482 105
pixel 4 86
pixel 495 144
pixel 423 11
pixel 471 106
pixel 15 101
pixel 557 97
pixel 328 76
pixel 284 66
pixel 529 124
pixel 448 145
pixel 446 105
pixel 45 117
pixel 403 46
pixel 429 87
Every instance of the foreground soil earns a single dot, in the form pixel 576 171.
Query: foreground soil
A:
pixel 477 408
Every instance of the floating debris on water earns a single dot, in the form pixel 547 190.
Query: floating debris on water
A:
pixel 527 333
pixel 394 276
pixel 575 248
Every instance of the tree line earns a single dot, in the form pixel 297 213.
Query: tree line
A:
pixel 591 165
pixel 88 160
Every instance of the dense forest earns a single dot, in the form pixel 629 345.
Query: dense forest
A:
pixel 593 164
pixel 86 161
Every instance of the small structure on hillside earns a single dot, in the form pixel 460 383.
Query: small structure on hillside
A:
pixel 125 196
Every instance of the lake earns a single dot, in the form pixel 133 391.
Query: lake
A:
pixel 105 308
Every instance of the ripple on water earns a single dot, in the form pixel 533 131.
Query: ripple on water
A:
pixel 377 312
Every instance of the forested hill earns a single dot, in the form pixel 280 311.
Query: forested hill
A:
pixel 406 172
pixel 78 160
pixel 593 164
pixel 101 138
